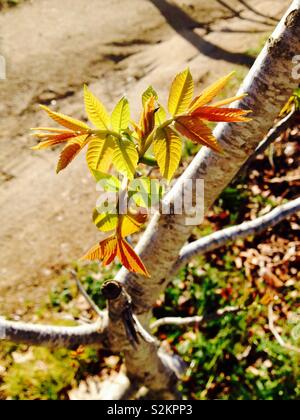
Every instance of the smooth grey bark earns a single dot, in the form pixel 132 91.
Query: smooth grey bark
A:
pixel 51 336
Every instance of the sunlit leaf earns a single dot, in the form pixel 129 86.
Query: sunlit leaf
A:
pixel 105 222
pixel 120 117
pixel 210 113
pixel 181 93
pixel 132 223
pixel 130 259
pixel 194 129
pixel 125 157
pixel 167 148
pixel 160 115
pixel 147 122
pixel 94 254
pixel 109 182
pixel 71 150
pixel 229 101
pixel 65 121
pixel 211 92
pixel 52 140
pixel 148 94
pixel 95 110
pixel 100 153
pixel 145 192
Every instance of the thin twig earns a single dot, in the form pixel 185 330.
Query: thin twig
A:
pixel 276 334
pixel 221 238
pixel 193 320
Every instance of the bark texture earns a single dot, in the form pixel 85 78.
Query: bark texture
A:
pixel 51 336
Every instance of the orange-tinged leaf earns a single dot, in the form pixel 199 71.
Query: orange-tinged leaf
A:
pixel 109 249
pixel 181 93
pixel 132 223
pixel 71 150
pixel 210 113
pixel 52 140
pixel 147 121
pixel 229 101
pixel 210 93
pixel 167 149
pixel 65 121
pixel 130 259
pixel 94 254
pixel 194 129
pixel 100 153
pixel 95 110
pixel 105 251
pixel 120 117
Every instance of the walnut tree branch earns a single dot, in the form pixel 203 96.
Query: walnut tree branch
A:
pixel 192 320
pixel 52 336
pixel 222 237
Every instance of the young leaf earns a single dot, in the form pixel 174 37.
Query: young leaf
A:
pixel 147 122
pixel 105 251
pixel 120 117
pixel 71 150
pixel 125 157
pixel 229 101
pixel 210 113
pixel 194 129
pixel 100 153
pixel 65 121
pixel 160 115
pixel 145 192
pixel 52 140
pixel 148 94
pixel 167 150
pixel 210 93
pixel 95 110
pixel 130 259
pixel 109 182
pixel 181 93
pixel 105 222
pixel 132 223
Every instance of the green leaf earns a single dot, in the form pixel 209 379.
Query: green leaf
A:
pixel 109 182
pixel 167 150
pixel 100 153
pixel 95 110
pixel 145 192
pixel 120 117
pixel 181 93
pixel 125 157
pixel 105 222
pixel 148 94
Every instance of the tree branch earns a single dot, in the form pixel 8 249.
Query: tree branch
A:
pixel 192 320
pixel 51 336
pixel 222 237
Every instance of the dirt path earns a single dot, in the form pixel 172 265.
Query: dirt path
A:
pixel 52 48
